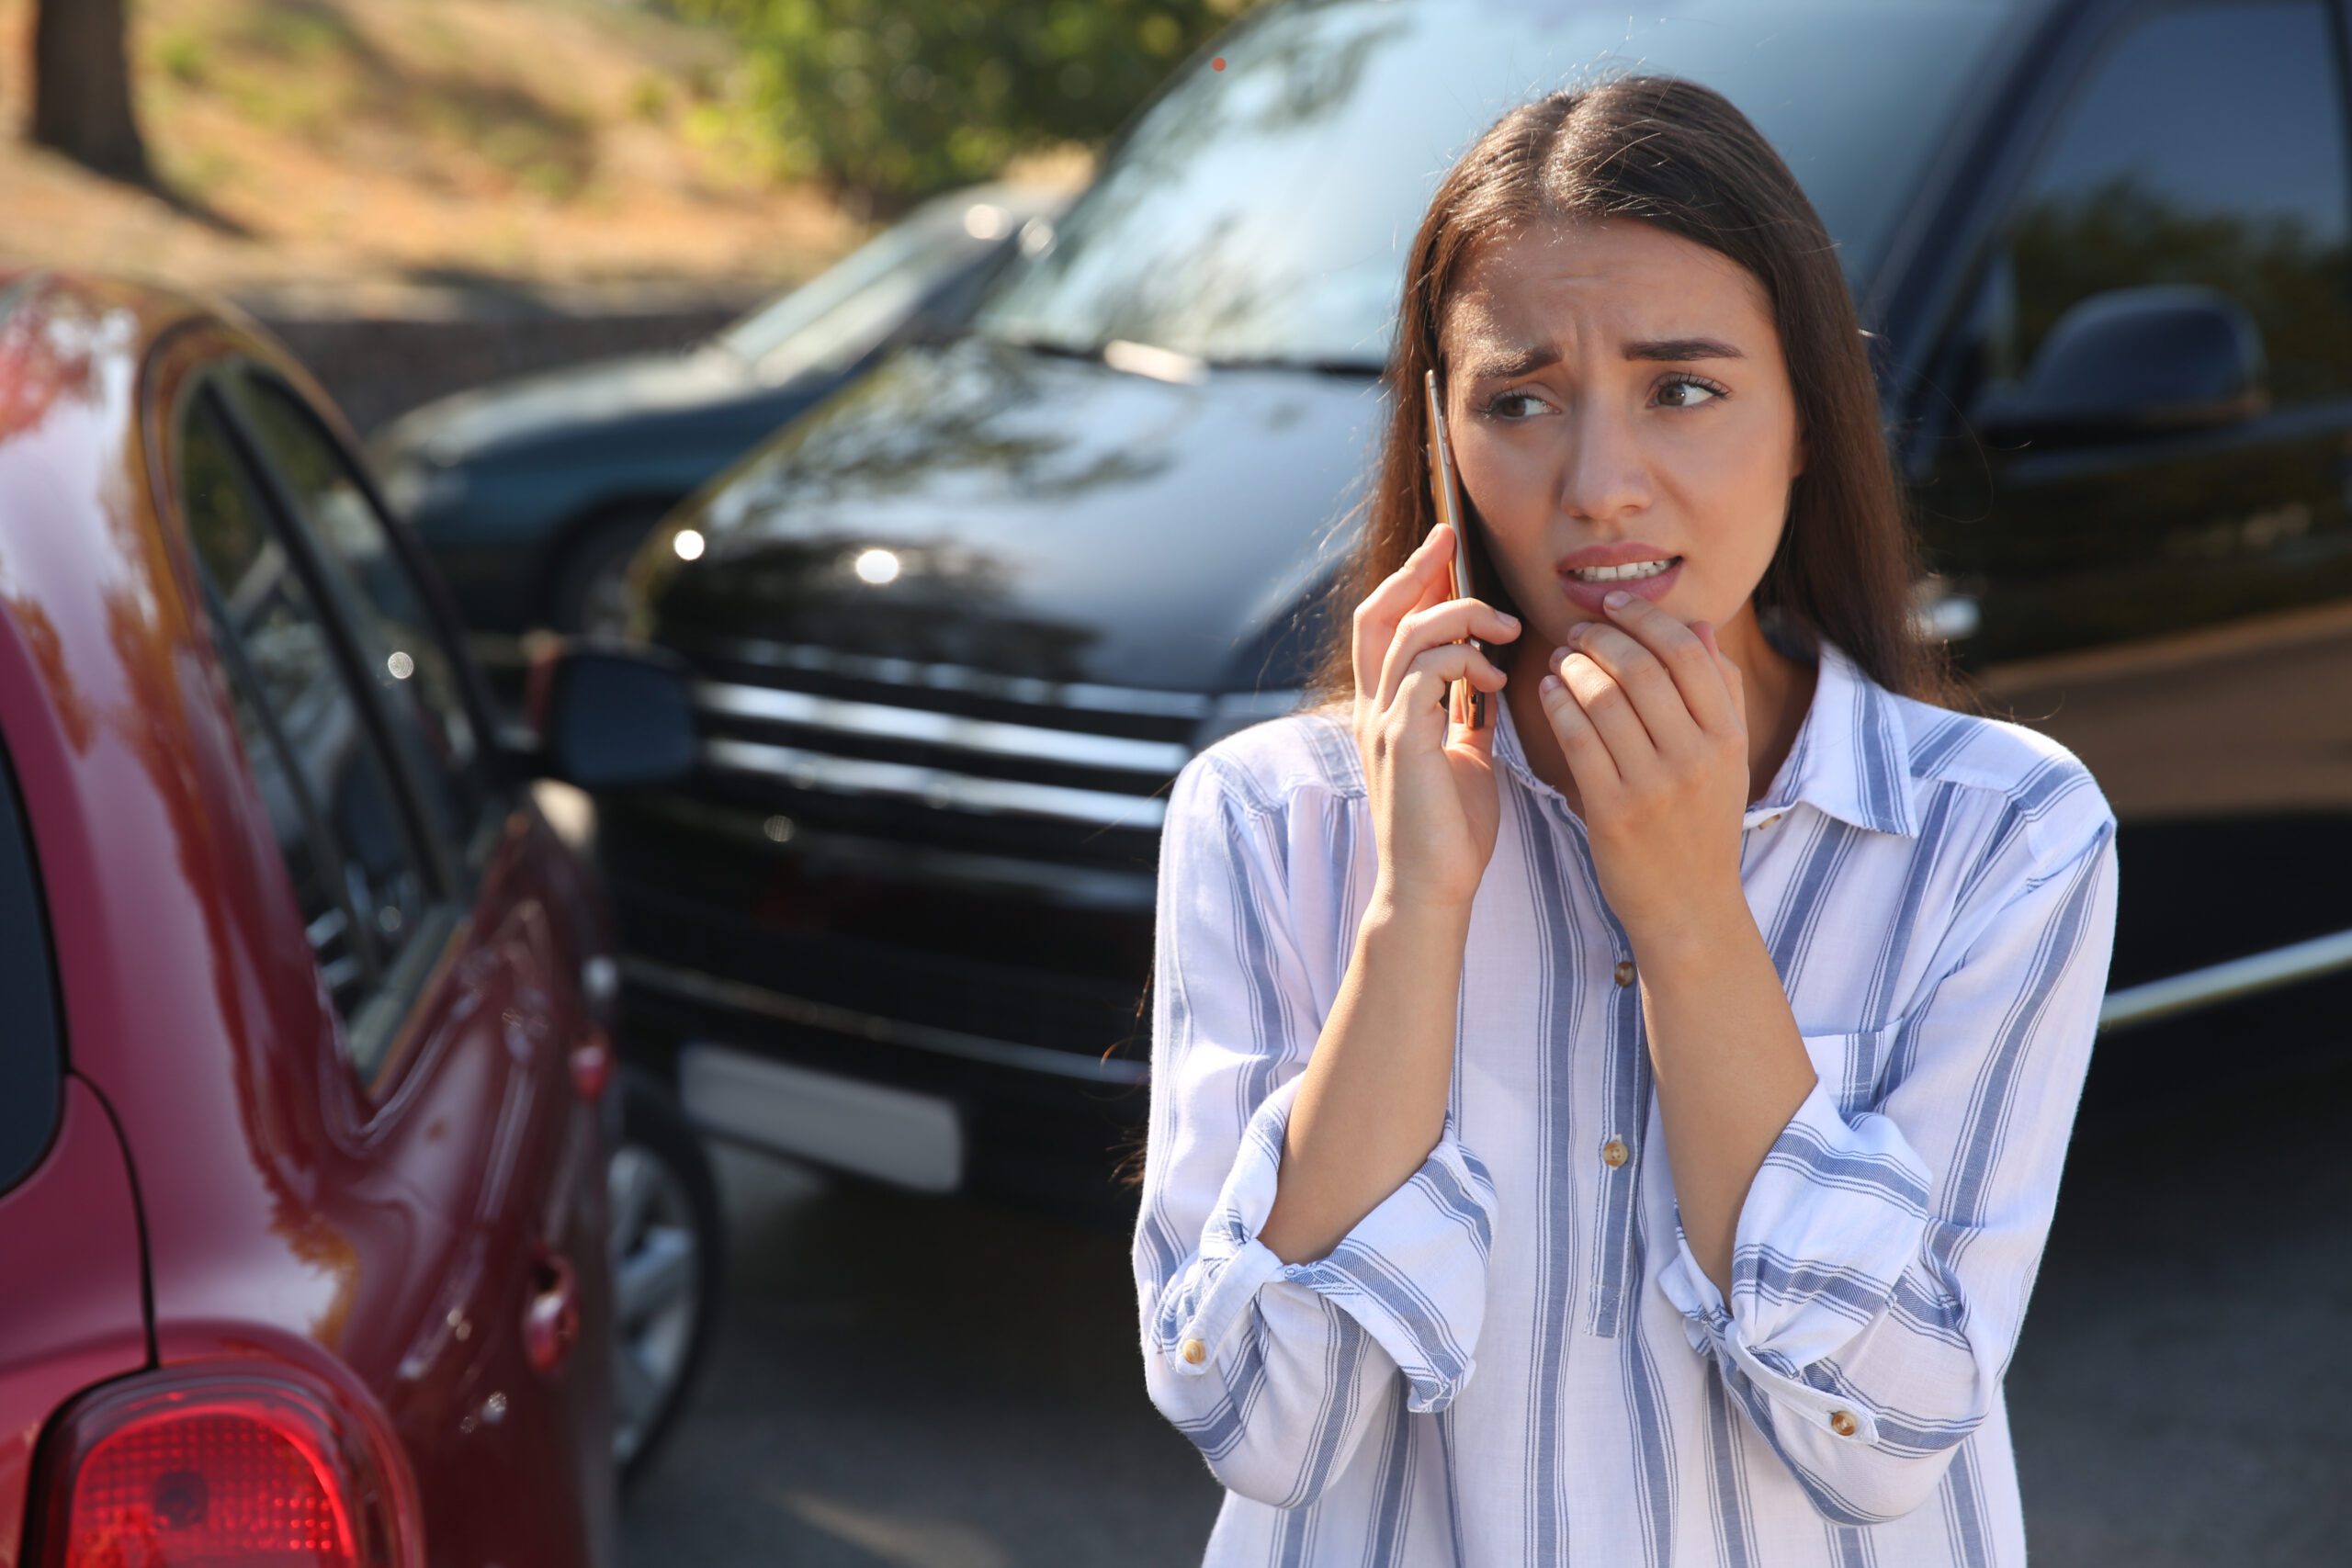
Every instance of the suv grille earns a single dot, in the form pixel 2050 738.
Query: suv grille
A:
pixel 942 754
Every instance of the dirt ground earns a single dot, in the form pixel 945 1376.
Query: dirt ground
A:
pixel 370 155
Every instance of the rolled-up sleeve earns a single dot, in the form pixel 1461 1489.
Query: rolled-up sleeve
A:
pixel 1881 1259
pixel 1275 1370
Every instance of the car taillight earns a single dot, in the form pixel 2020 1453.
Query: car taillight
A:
pixel 177 1468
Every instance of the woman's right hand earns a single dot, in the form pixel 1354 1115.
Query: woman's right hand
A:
pixel 1434 803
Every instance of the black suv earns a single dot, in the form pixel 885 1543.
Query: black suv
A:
pixel 955 629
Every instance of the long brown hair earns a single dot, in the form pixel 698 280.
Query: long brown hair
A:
pixel 1676 154
pixel 1670 153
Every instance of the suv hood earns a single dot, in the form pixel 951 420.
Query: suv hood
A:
pixel 1039 516
pixel 554 405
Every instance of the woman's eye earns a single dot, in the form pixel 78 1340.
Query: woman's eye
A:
pixel 1689 384
pixel 1673 383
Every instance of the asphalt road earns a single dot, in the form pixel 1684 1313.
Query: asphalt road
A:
pixel 905 1381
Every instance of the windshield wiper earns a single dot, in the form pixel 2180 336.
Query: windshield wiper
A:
pixel 1351 369
pixel 1319 365
pixel 1038 343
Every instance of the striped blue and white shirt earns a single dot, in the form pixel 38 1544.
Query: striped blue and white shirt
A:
pixel 1515 1358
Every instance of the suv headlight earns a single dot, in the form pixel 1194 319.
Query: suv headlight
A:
pixel 414 485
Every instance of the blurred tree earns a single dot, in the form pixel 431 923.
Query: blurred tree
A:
pixel 82 87
pixel 890 100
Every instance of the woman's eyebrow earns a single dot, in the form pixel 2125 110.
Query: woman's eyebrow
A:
pixel 1521 361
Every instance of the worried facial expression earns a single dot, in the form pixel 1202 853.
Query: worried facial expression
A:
pixel 1610 384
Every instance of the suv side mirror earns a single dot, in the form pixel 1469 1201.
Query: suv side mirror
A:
pixel 604 716
pixel 2134 362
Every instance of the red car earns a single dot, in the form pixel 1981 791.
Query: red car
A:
pixel 306 1100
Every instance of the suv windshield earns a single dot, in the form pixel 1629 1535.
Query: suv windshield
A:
pixel 1261 212
pixel 887 274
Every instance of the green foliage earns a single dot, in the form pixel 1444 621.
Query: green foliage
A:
pixel 649 99
pixel 898 98
pixel 298 30
pixel 180 54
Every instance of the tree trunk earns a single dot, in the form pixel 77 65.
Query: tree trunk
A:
pixel 82 87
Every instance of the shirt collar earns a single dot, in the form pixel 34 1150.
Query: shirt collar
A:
pixel 1850 760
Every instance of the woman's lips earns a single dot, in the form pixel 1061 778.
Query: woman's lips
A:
pixel 1588 595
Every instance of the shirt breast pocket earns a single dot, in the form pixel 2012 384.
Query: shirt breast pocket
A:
pixel 1854 1064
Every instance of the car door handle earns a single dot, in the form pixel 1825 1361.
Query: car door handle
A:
pixel 591 1064
pixel 552 1318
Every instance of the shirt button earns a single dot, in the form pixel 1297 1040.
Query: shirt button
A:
pixel 1624 971
pixel 1195 1352
pixel 1842 1423
pixel 1613 1151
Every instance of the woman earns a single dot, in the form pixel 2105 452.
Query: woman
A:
pixel 1626 1134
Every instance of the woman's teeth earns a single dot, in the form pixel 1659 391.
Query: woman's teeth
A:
pixel 1619 574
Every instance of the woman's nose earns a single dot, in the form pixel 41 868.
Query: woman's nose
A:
pixel 1605 471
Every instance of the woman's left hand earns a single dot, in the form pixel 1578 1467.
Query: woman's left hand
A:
pixel 1654 721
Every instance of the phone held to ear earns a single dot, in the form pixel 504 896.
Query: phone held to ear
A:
pixel 1465 703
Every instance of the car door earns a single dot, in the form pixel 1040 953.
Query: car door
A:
pixel 2176 606
pixel 66 1197
pixel 435 916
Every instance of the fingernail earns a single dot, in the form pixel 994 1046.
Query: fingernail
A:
pixel 1617 598
pixel 1508 619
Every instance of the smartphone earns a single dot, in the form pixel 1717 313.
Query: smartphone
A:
pixel 1465 703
